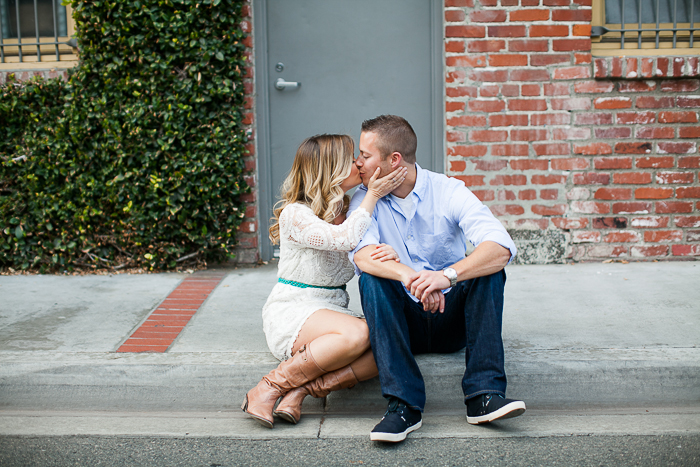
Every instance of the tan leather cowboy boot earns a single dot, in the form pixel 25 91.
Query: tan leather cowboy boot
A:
pixel 289 407
pixel 290 374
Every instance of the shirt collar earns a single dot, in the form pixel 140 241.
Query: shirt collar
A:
pixel 421 182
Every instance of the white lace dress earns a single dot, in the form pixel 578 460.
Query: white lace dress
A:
pixel 313 252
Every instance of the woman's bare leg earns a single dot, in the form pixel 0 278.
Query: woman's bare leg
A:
pixel 337 340
pixel 364 367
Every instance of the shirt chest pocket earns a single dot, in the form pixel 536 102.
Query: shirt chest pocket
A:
pixel 436 249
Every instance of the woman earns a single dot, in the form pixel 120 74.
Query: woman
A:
pixel 323 345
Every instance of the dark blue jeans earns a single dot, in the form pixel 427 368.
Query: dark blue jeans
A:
pixel 400 329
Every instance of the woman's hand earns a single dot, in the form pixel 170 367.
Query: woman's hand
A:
pixel 384 252
pixel 380 187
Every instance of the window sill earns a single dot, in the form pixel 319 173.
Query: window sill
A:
pixel 646 67
pixel 27 66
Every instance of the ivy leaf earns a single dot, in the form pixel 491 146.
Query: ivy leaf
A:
pixel 219 56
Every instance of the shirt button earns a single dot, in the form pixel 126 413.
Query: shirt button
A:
pixel 415 260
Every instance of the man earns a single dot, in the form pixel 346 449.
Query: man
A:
pixel 435 299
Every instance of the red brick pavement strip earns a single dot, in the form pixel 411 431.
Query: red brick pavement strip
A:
pixel 176 308
pixel 158 327
pixel 158 335
pixel 127 347
pixel 181 304
pixel 169 320
pixel 172 313
pixel 170 317
pixel 192 297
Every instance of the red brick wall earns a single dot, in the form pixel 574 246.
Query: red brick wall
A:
pixel 581 159
pixel 248 234
pixel 26 75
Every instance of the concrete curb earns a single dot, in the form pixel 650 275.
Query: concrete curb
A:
pixel 235 425
pixel 576 337
pixel 218 381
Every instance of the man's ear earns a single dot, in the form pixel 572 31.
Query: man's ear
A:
pixel 395 159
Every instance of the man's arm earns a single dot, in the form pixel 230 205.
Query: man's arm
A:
pixel 432 301
pixel 386 269
pixel 494 250
pixel 487 258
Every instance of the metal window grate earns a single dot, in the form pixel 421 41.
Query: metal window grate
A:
pixel 27 26
pixel 651 21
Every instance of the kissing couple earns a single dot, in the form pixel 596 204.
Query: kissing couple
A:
pixel 404 232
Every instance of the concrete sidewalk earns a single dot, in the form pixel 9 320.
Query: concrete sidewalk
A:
pixel 608 339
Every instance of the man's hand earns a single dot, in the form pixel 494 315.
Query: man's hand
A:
pixel 434 301
pixel 424 285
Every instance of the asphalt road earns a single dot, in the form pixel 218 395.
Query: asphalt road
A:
pixel 618 451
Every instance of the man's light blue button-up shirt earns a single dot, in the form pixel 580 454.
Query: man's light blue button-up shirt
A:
pixel 445 215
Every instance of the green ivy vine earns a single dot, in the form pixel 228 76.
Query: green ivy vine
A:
pixel 136 159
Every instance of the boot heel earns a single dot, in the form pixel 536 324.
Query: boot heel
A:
pixel 289 374
pixel 264 422
pixel 286 417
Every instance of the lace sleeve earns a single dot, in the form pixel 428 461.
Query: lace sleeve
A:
pixel 300 226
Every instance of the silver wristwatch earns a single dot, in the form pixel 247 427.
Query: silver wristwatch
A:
pixel 451 274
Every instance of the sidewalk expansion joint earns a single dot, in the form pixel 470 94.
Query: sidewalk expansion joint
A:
pixel 167 321
pixel 323 417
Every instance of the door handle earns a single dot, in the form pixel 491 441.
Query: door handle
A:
pixel 281 84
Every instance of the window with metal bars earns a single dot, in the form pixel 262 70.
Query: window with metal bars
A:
pixel 34 32
pixel 646 27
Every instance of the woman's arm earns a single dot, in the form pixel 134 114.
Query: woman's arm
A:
pixel 299 225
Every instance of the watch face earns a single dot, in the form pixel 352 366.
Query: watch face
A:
pixel 451 274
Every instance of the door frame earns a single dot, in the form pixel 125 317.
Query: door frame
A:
pixel 262 105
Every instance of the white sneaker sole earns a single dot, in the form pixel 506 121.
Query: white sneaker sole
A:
pixel 507 411
pixel 394 437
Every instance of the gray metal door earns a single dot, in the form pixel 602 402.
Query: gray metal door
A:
pixel 352 60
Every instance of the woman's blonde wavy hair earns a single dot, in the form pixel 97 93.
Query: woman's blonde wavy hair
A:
pixel 321 164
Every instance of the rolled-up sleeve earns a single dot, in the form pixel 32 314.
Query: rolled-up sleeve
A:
pixel 476 220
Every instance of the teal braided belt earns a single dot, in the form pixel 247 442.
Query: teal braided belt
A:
pixel 301 285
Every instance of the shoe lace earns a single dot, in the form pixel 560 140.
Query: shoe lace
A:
pixel 394 406
pixel 488 398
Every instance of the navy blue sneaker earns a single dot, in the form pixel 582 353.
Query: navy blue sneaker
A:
pixel 397 423
pixel 489 407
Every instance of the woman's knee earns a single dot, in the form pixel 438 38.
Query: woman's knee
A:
pixel 357 336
